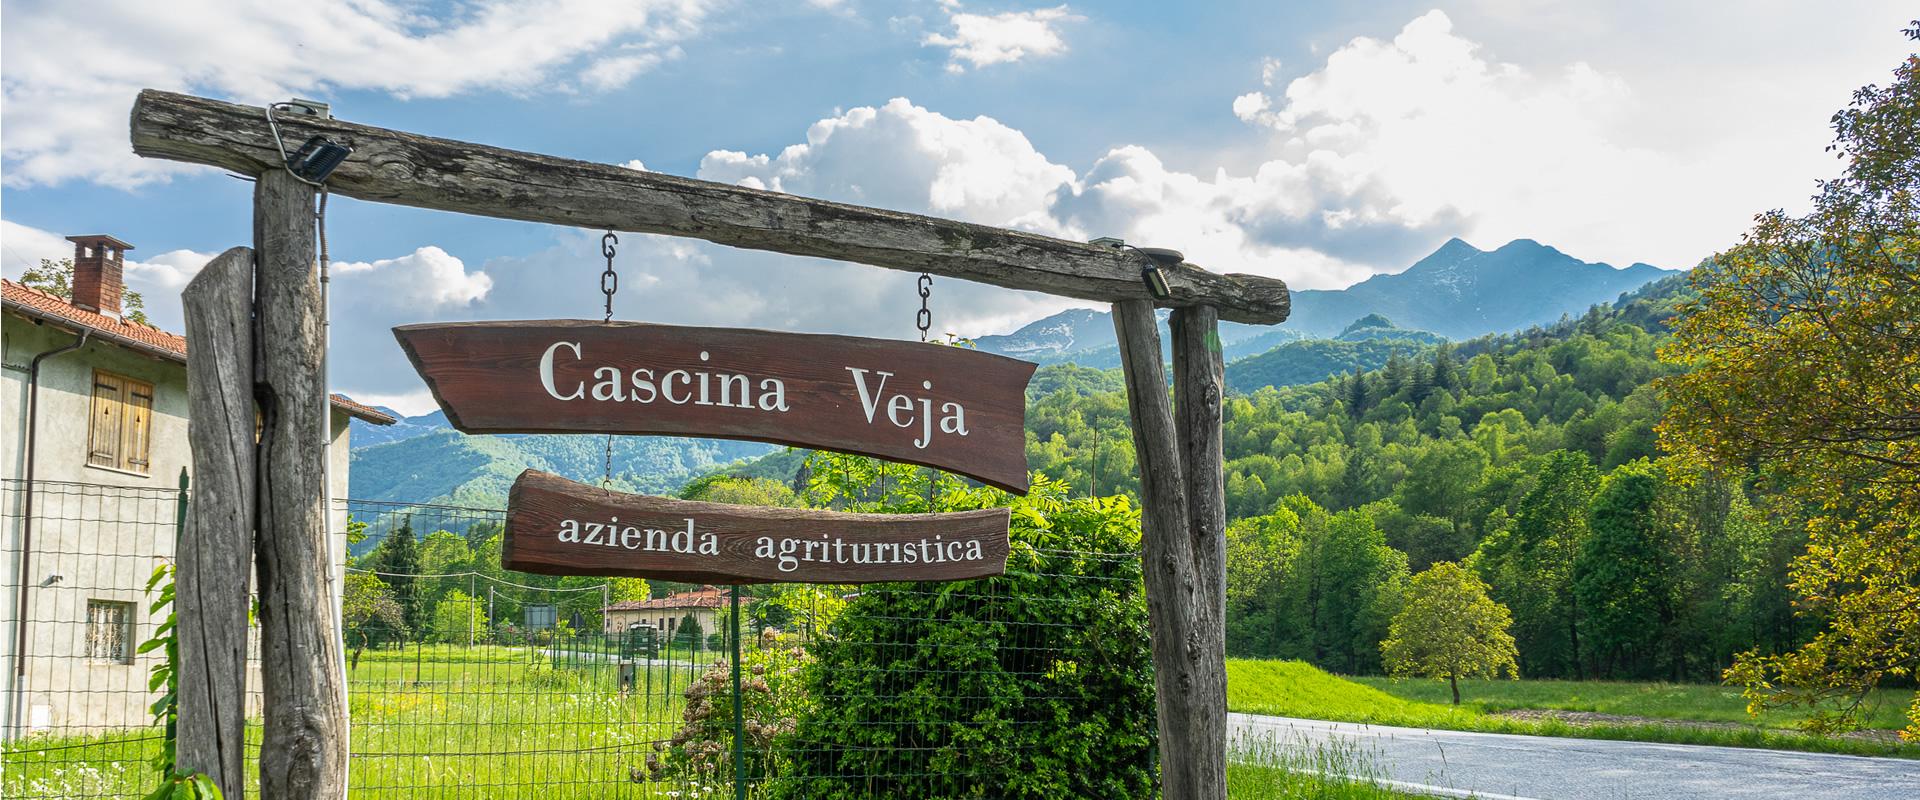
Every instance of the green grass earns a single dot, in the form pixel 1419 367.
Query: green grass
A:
pixel 1886 708
pixel 1263 768
pixel 1296 689
pixel 436 721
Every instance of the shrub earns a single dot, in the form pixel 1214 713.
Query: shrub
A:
pixel 1034 684
pixel 772 698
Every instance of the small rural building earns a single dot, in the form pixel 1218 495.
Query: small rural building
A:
pixel 706 605
pixel 94 441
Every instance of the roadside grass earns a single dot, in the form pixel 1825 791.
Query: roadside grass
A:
pixel 1266 768
pixel 1297 689
pixel 1885 708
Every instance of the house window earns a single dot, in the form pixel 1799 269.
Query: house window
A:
pixel 110 631
pixel 122 423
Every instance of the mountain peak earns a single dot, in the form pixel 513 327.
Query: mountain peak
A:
pixel 1370 321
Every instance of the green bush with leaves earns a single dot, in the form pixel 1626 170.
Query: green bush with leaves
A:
pixel 1034 684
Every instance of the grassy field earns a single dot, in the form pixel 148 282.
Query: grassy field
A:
pixel 446 721
pixel 1886 708
pixel 1295 689
pixel 434 721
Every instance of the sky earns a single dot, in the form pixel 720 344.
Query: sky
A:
pixel 1316 142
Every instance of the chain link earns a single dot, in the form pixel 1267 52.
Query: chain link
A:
pixel 609 284
pixel 609 280
pixel 924 320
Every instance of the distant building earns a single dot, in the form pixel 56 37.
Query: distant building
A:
pixel 707 605
pixel 94 440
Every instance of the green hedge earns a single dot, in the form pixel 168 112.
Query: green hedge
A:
pixel 1035 684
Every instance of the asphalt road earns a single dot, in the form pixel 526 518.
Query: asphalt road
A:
pixel 1497 766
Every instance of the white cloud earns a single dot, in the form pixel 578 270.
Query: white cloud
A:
pixel 424 280
pixel 368 295
pixel 412 404
pixel 980 40
pixel 1656 140
pixel 72 72
pixel 903 156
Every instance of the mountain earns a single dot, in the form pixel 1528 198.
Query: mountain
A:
pixel 1363 345
pixel 1461 291
pixel 1457 292
pixel 1085 337
pixel 366 434
pixel 447 466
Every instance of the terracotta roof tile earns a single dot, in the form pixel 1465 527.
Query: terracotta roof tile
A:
pixel 36 304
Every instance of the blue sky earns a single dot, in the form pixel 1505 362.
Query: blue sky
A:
pixel 1316 142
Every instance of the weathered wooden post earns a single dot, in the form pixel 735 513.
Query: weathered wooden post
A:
pixel 1198 374
pixel 303 746
pixel 216 552
pixel 1183 568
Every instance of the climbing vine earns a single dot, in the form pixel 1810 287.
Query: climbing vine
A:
pixel 164 678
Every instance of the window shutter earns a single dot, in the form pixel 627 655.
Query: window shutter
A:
pixel 103 447
pixel 137 425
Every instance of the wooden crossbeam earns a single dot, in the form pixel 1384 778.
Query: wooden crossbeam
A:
pixel 408 169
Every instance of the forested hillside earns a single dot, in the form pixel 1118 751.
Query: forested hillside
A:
pixel 1530 457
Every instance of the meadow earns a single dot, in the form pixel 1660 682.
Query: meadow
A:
pixel 434 721
pixel 1297 689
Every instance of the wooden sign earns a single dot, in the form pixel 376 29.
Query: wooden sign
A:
pixel 559 527
pixel 952 408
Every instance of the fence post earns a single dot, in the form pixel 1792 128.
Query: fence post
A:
pixel 303 752
pixel 215 552
pixel 739 723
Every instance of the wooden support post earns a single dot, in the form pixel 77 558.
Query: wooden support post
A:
pixel 1198 375
pixel 303 747
pixel 216 550
pixel 1191 739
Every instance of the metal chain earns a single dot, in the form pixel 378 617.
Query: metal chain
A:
pixel 924 320
pixel 609 284
pixel 609 280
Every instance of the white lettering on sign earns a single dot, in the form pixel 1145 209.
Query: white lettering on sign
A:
pixel 679 387
pixel 900 408
pixel 703 388
pixel 787 553
pixel 632 537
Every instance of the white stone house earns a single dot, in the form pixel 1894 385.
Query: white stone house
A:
pixel 665 614
pixel 94 441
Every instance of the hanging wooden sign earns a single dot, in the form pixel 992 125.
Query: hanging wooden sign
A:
pixel 559 527
pixel 953 408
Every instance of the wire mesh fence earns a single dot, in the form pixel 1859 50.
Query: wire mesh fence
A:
pixel 465 680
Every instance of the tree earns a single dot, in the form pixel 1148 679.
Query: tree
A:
pixel 1450 629
pixel 1801 359
pixel 689 634
pixel 56 278
pixel 368 611
pixel 741 491
pixel 398 561
pixel 1531 569
pixel 1621 576
pixel 458 618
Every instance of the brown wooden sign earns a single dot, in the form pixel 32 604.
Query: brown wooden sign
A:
pixel 952 408
pixel 558 527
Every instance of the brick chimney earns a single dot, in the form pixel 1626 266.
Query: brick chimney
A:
pixel 97 263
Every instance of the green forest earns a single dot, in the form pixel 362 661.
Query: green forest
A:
pixel 1530 458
